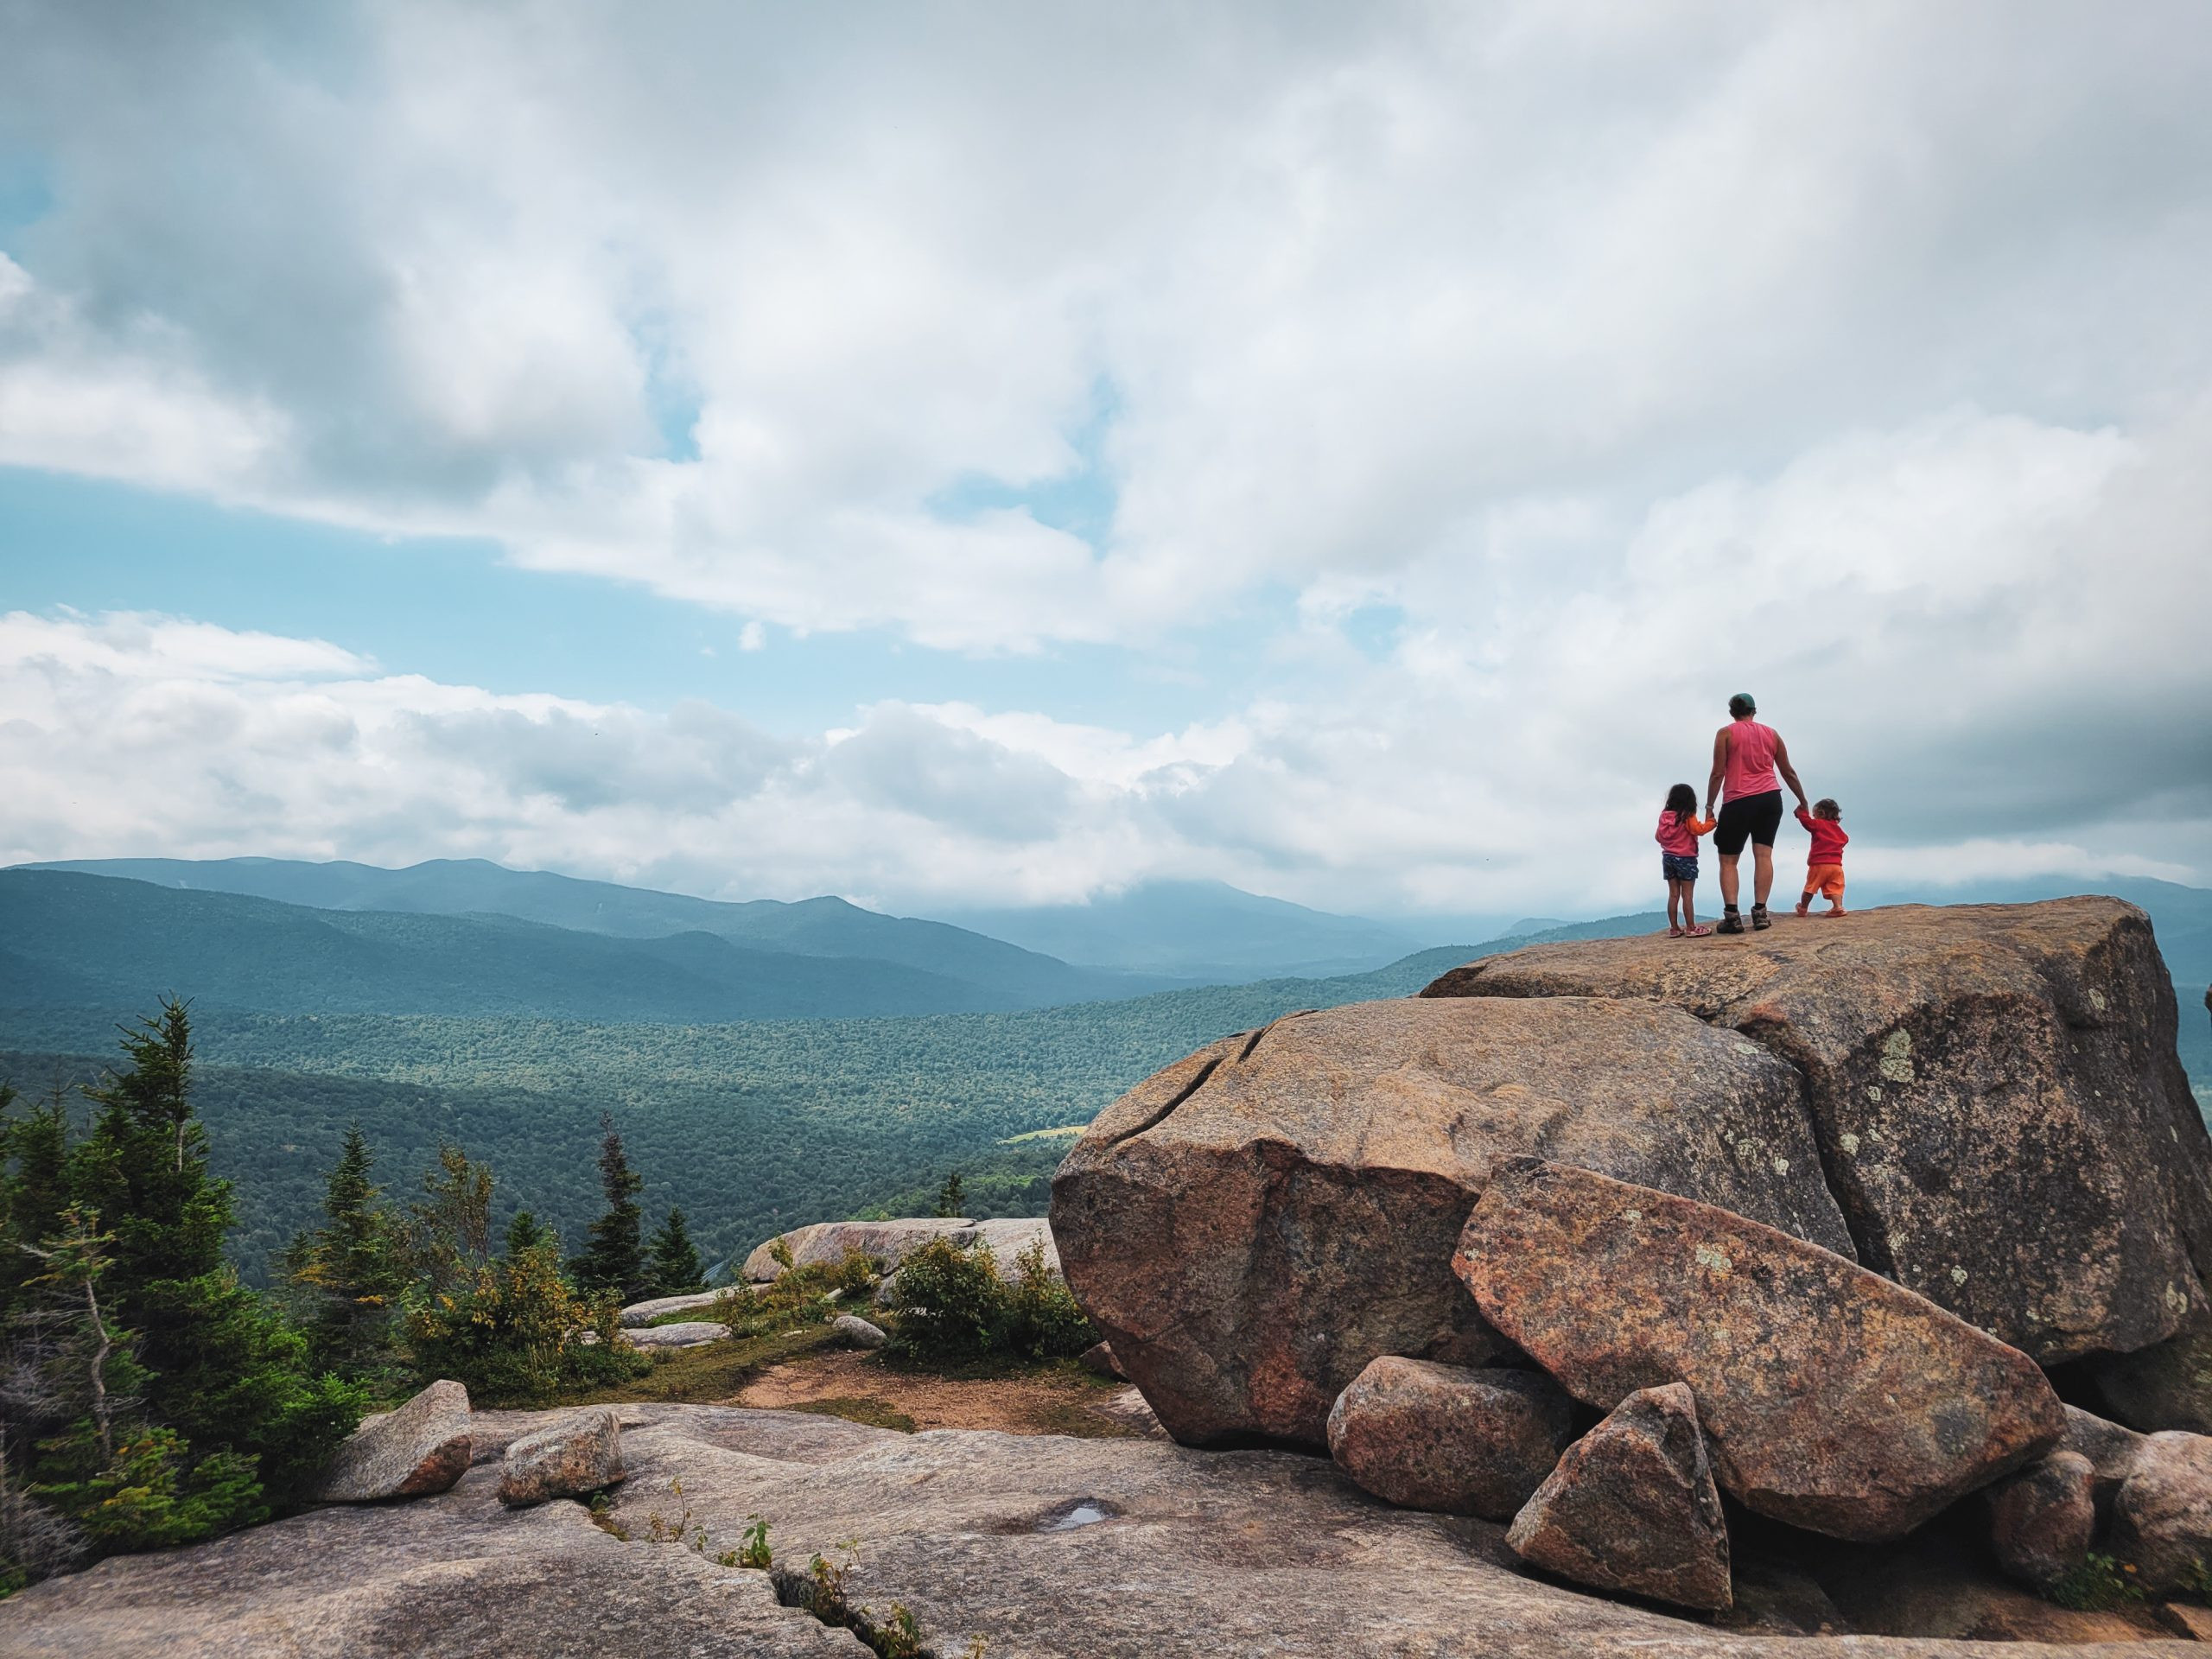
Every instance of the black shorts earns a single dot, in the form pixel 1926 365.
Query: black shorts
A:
pixel 1748 817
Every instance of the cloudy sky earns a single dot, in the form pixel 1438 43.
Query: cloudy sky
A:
pixel 946 453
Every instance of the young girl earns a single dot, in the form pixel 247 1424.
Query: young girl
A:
pixel 1679 829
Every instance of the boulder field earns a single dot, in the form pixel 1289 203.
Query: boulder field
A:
pixel 1981 1104
pixel 1815 1208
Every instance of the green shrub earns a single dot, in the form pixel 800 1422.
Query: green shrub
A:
pixel 952 1305
pixel 512 1331
pixel 2098 1586
pixel 799 1296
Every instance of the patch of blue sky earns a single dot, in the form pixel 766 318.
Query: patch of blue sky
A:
pixel 1080 501
pixel 26 196
pixel 1373 630
pixel 672 394
pixel 457 612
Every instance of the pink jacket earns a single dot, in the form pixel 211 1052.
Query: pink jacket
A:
pixel 1679 835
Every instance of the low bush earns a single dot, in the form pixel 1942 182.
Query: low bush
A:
pixel 811 1295
pixel 951 1304
pixel 513 1332
pixel 2098 1585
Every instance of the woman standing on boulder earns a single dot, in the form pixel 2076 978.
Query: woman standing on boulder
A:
pixel 1745 757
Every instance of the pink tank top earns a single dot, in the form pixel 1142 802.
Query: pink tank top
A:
pixel 1751 761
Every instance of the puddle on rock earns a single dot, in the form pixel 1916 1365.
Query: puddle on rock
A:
pixel 1082 1514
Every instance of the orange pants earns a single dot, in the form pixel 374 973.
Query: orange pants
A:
pixel 1827 880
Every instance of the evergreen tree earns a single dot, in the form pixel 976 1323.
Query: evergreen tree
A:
pixel 672 1261
pixel 615 1257
pixel 34 1186
pixel 950 1197
pixel 350 1268
pixel 225 1374
pixel 525 1233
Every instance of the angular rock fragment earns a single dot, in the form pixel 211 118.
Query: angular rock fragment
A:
pixel 2162 1519
pixel 1998 1099
pixel 1254 1224
pixel 571 1457
pixel 1830 1398
pixel 2041 1520
pixel 1427 1436
pixel 1631 1507
pixel 421 1448
pixel 1098 1359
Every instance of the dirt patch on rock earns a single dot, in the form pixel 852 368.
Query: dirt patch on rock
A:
pixel 867 1388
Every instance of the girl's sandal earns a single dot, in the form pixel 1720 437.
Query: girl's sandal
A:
pixel 1697 932
pixel 1674 932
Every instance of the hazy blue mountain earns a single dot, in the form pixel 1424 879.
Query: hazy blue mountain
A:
pixel 1012 976
pixel 1202 930
pixel 101 941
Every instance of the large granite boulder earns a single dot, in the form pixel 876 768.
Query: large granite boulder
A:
pixel 570 1457
pixel 1253 1225
pixel 1632 1507
pixel 1999 1101
pixel 421 1448
pixel 1442 1437
pixel 1831 1398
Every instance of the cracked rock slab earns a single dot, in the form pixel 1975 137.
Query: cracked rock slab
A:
pixel 1254 1224
pixel 1998 1099
pixel 1830 1398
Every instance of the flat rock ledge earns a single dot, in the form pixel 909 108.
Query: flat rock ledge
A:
pixel 644 1314
pixel 685 1333
pixel 422 1447
pixel 1033 1543
pixel 826 1244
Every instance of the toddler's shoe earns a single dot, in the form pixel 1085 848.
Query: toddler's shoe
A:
pixel 1805 904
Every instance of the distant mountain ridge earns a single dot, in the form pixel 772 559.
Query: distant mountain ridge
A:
pixel 1006 976
pixel 1200 930
pixel 68 939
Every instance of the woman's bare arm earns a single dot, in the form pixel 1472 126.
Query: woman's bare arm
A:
pixel 1720 769
pixel 1789 773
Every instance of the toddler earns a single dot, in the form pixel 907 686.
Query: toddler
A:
pixel 1824 864
pixel 1679 829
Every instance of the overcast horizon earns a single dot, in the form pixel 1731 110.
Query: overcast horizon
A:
pixel 957 456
